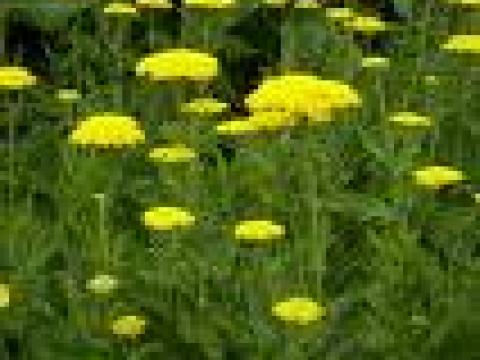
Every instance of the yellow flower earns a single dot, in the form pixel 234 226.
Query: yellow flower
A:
pixel 119 8
pixel 297 310
pixel 258 231
pixel 155 4
pixel 173 64
pixel 204 105
pixel 437 176
pixel 102 284
pixel 176 153
pixel 15 77
pixel 210 3
pixel 431 80
pixel 106 130
pixel 303 94
pixel 477 198
pixel 307 4
pixel 464 2
pixel 367 24
pixel 407 118
pixel 462 44
pixel 236 127
pixel 375 62
pixel 4 295
pixel 275 2
pixel 68 94
pixel 167 218
pixel 340 13
pixel 129 325
pixel 258 121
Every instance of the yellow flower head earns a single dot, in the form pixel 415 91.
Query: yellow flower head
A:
pixel 258 121
pixel 258 231
pixel 236 127
pixel 407 118
pixel 106 130
pixel 102 284
pixel 119 8
pixel 167 218
pixel 15 77
pixel 301 311
pixel 154 4
pixel 275 2
pixel 437 176
pixel 307 4
pixel 213 4
pixel 175 64
pixel 68 94
pixel 129 326
pixel 176 153
pixel 340 13
pixel 462 44
pixel 366 24
pixel 464 2
pixel 375 62
pixel 477 198
pixel 303 94
pixel 204 106
pixel 4 295
pixel 431 80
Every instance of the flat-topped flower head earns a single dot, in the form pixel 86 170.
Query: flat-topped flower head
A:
pixel 175 64
pixel 102 284
pixel 129 326
pixel 16 77
pixel 342 13
pixel 154 4
pixel 365 24
pixel 107 130
pixel 375 62
pixel 167 218
pixel 212 4
pixel 4 295
pixel 298 310
pixel 257 122
pixel 437 176
pixel 307 4
pixel 258 231
pixel 301 93
pixel 68 95
pixel 172 154
pixel 466 3
pixel 275 2
pixel 462 44
pixel 119 8
pixel 204 106
pixel 410 119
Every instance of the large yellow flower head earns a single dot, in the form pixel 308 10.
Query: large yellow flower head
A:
pixel 304 94
pixel 258 231
pixel 129 326
pixel 15 77
pixel 174 64
pixel 462 44
pixel 213 4
pixel 167 218
pixel 437 176
pixel 301 311
pixel 106 130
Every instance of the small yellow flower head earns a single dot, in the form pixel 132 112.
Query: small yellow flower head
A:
pixel 301 311
pixel 407 118
pixel 462 44
pixel 307 4
pixel 102 284
pixel 258 231
pixel 129 326
pixel 476 197
pixel 204 106
pixel 340 13
pixel 167 218
pixel 236 127
pixel 431 80
pixel 68 95
pixel 154 4
pixel 15 77
pixel 213 4
pixel 275 2
pixel 4 295
pixel 437 176
pixel 119 8
pixel 366 24
pixel 176 153
pixel 301 94
pixel 108 129
pixel 174 64
pixel 375 62
pixel 470 3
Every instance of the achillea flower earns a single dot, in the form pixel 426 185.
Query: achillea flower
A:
pixel 301 94
pixel 204 106
pixel 102 284
pixel 462 44
pixel 167 218
pixel 366 24
pixel 176 153
pixel 307 4
pixel 119 8
pixel 437 176
pixel 68 95
pixel 476 197
pixel 340 13
pixel 15 77
pixel 464 2
pixel 275 2
pixel 431 80
pixel 301 311
pixel 407 118
pixel 375 62
pixel 174 64
pixel 213 4
pixel 258 231
pixel 4 295
pixel 154 4
pixel 129 326
pixel 236 127
pixel 108 129
pixel 258 121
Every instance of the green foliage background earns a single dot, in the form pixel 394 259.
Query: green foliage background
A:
pixel 395 265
